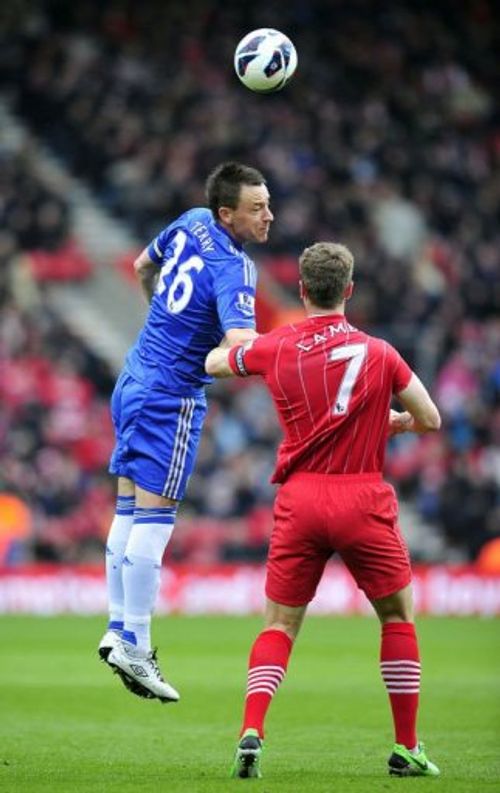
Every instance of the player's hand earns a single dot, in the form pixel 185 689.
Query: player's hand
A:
pixel 399 422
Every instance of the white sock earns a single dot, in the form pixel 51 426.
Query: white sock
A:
pixel 115 550
pixel 148 539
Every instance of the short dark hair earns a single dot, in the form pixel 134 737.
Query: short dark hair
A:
pixel 224 184
pixel 326 271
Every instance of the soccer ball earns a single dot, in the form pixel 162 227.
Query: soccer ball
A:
pixel 265 60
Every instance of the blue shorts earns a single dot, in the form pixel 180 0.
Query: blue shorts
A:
pixel 157 435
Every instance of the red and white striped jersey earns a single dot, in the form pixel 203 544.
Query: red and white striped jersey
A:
pixel 332 386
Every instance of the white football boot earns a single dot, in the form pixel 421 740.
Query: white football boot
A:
pixel 109 641
pixel 140 673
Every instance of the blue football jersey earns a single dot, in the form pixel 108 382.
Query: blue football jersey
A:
pixel 206 286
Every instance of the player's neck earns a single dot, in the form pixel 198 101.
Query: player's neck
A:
pixel 315 311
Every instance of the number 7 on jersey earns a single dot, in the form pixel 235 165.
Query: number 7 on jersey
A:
pixel 355 355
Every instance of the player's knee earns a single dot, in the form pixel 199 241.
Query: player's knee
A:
pixel 148 500
pixel 284 618
pixel 396 617
pixel 288 623
pixel 395 608
pixel 126 487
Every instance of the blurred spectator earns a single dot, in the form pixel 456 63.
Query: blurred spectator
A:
pixel 15 528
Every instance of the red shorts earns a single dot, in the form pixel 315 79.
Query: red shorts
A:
pixel 354 515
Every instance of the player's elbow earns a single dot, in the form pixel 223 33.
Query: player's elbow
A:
pixel 430 421
pixel 217 363
pixel 141 267
pixel 416 399
pixel 436 421
pixel 211 365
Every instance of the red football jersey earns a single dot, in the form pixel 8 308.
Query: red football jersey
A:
pixel 332 386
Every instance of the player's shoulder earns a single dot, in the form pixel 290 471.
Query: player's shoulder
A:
pixel 196 215
pixel 187 221
pixel 382 348
pixel 205 235
pixel 284 334
pixel 199 223
pixel 213 243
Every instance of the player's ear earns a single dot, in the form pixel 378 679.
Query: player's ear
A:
pixel 349 290
pixel 302 290
pixel 225 214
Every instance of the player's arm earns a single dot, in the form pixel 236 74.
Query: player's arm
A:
pixel 254 356
pixel 236 336
pixel 147 272
pixel 421 414
pixel 235 294
pixel 217 362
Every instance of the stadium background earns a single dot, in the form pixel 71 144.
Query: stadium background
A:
pixel 387 139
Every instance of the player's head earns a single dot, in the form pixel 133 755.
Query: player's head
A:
pixel 326 275
pixel 239 200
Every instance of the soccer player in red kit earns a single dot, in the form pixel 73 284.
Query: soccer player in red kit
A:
pixel 332 386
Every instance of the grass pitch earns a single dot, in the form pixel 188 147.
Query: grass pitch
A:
pixel 67 724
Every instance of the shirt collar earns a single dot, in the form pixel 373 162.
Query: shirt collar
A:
pixel 329 317
pixel 237 244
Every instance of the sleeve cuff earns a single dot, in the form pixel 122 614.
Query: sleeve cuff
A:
pixel 405 382
pixel 239 323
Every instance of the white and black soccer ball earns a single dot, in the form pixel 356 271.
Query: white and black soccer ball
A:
pixel 265 60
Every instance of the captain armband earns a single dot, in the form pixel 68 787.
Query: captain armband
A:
pixel 239 359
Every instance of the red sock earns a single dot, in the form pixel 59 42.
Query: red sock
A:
pixel 400 667
pixel 266 669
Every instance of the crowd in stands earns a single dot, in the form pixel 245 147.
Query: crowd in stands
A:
pixel 55 430
pixel 387 139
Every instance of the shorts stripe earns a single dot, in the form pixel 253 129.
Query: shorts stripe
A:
pixel 178 432
pixel 181 441
pixel 185 444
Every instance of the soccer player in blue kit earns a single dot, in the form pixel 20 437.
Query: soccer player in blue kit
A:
pixel 201 287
